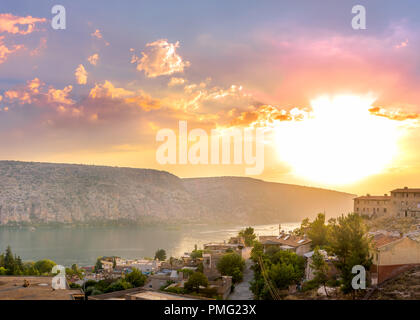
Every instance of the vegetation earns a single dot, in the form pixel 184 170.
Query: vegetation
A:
pixel 345 238
pixel 274 270
pixel 194 282
pixel 349 242
pixel 248 235
pixel 231 264
pixel 321 270
pixel 160 255
pixel 136 278
pixel 11 264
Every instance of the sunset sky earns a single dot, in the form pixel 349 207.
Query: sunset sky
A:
pixel 340 106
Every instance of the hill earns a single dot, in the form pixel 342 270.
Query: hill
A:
pixel 46 193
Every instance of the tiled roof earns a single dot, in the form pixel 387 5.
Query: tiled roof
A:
pixel 381 240
pixel 289 240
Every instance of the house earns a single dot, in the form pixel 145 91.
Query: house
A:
pixel 156 281
pixel 146 266
pixel 393 254
pixel 299 245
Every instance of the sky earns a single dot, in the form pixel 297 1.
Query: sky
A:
pixel 339 107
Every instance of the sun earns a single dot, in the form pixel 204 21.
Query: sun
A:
pixel 339 141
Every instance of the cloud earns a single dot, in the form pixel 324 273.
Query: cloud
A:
pixel 176 81
pixel 97 34
pixel 81 74
pixel 108 90
pixel 160 58
pixel 93 59
pixel 42 45
pixel 137 98
pixel 5 51
pixel 35 92
pixel 18 25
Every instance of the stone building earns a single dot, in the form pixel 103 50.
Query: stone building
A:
pixel 403 202
pixel 372 205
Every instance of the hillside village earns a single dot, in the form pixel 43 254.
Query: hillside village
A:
pixel 246 266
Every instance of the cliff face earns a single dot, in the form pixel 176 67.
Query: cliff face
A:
pixel 64 193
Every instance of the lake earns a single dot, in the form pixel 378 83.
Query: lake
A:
pixel 66 246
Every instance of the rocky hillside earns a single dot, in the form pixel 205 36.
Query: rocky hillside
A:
pixel 261 202
pixel 39 193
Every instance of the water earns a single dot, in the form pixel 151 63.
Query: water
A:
pixel 82 246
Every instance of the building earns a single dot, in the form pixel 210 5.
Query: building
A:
pixel 403 202
pixel 35 288
pixel 284 241
pixel 393 254
pixel 156 281
pixel 372 205
pixel 213 252
pixel 146 266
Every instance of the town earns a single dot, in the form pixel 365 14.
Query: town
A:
pixel 313 262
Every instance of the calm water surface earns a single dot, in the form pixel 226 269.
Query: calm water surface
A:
pixel 83 245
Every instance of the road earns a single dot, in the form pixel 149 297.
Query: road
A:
pixel 242 291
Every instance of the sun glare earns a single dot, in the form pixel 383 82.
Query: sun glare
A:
pixel 339 141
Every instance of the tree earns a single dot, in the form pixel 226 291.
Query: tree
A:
pixel 248 235
pixel 98 265
pixel 195 254
pixel 348 240
pixel 231 264
pixel 44 266
pixel 136 278
pixel 9 261
pixel 317 231
pixel 160 255
pixel 321 269
pixel 196 280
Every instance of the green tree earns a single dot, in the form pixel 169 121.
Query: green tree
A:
pixel 196 280
pixel 348 240
pixel 196 254
pixel 118 285
pixel 160 255
pixel 248 235
pixel 231 264
pixel 317 231
pixel 136 278
pixel 44 266
pixel 321 269
pixel 9 261
pixel 98 265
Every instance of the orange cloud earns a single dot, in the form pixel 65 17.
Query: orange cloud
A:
pixel 18 25
pixel 176 81
pixel 97 34
pixel 138 98
pixel 394 115
pixel 160 58
pixel 81 74
pixel 93 59
pixel 6 51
